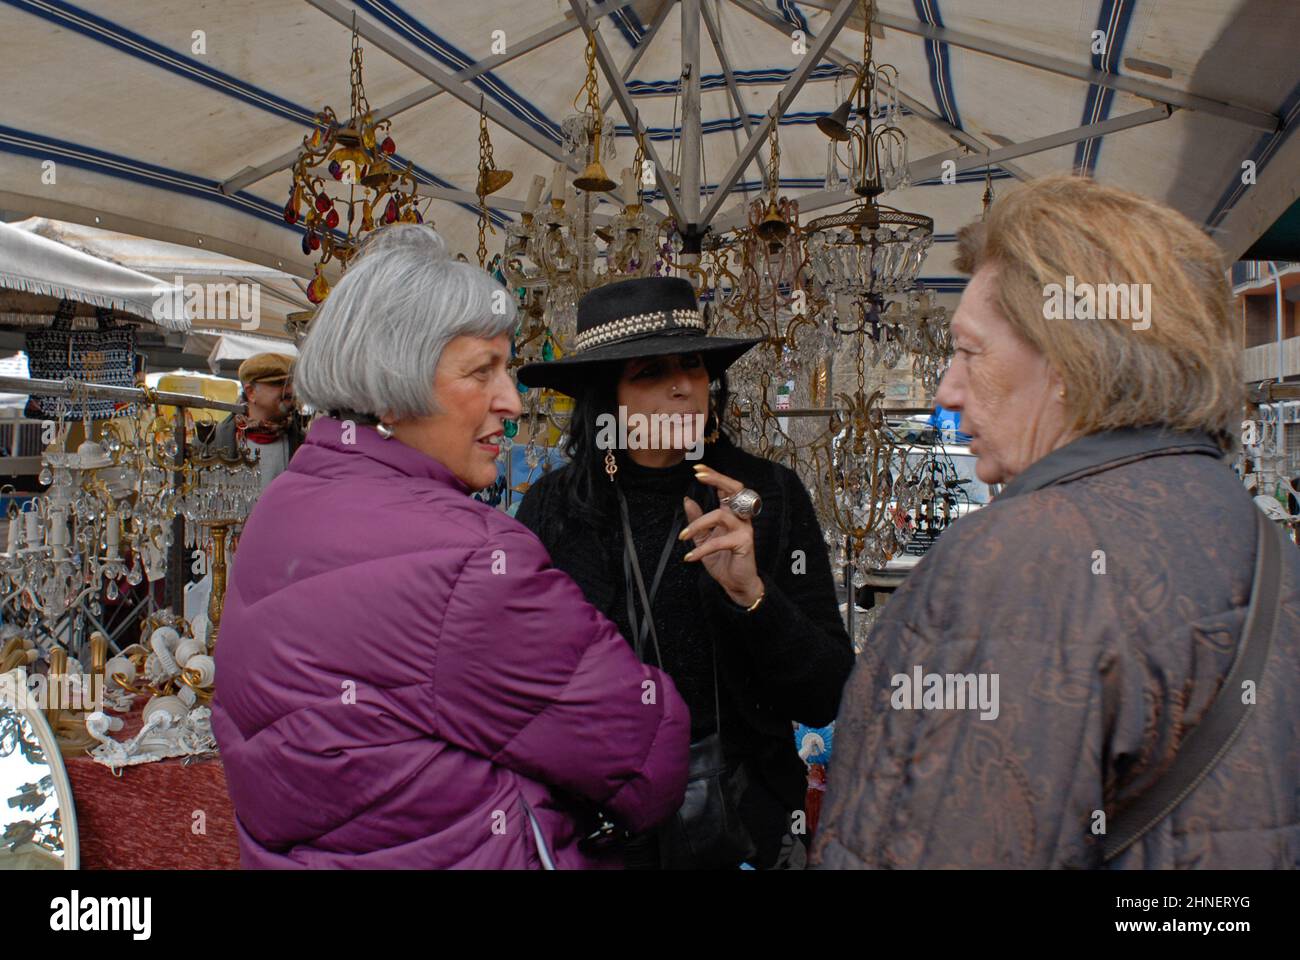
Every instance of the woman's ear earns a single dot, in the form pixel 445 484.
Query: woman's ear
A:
pixel 1056 385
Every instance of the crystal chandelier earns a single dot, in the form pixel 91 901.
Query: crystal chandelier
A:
pixel 751 298
pixel 864 485
pixel 65 549
pixel 867 253
pixel 868 123
pixel 217 496
pixel 866 260
pixel 865 265
pixel 923 331
pixel 632 238
pixel 760 281
pixel 105 522
pixel 345 164
pixel 556 253
pixel 557 250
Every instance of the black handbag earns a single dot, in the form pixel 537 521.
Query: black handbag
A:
pixel 706 832
pixel 105 355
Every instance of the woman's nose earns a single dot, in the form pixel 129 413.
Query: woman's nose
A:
pixel 508 403
pixel 949 395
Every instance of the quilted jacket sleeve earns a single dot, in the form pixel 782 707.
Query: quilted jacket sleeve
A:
pixel 532 676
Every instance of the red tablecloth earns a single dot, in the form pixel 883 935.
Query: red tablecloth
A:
pixel 149 817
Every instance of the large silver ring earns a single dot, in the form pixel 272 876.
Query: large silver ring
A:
pixel 746 504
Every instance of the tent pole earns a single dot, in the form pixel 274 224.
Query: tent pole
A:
pixel 691 144
pixel 65 388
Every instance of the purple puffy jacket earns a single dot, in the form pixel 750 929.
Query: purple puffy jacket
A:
pixel 405 681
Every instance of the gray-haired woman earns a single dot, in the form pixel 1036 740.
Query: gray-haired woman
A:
pixel 404 679
pixel 1062 667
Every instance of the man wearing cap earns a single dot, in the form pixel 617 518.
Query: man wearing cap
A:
pixel 269 427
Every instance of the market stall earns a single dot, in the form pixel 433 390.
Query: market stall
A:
pixel 805 167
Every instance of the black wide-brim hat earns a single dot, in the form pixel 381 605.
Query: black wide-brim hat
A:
pixel 631 319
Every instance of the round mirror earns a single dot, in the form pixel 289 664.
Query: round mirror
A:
pixel 38 824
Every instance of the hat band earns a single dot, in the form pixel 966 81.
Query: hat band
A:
pixel 637 324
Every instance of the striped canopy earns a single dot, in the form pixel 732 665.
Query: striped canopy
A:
pixel 176 121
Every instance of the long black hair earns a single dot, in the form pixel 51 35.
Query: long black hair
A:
pixel 587 495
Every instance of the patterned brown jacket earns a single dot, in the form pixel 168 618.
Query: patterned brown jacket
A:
pixel 1105 591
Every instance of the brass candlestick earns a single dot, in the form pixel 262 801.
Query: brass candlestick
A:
pixel 218 596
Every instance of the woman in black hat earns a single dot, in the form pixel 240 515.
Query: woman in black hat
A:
pixel 723 549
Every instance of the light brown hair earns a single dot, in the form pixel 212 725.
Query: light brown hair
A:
pixel 1184 371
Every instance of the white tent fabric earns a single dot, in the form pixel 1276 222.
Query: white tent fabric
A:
pixel 139 117
pixel 278 292
pixel 33 264
pixel 234 346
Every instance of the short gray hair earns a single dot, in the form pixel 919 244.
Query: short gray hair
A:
pixel 375 342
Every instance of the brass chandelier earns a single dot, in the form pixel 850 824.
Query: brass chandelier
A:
pixel 490 180
pixel 346 165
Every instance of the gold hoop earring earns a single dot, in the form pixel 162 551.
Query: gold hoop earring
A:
pixel 611 465
pixel 712 436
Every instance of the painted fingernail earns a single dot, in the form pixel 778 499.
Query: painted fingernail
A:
pixel 683 535
pixel 689 556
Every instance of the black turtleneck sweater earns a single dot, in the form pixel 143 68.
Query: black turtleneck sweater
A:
pixel 787 661
pixel 654 501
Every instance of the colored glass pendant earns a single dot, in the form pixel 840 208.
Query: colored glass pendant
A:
pixel 290 213
pixel 548 351
pixel 336 170
pixel 306 244
pixel 332 218
pixel 318 289
pixel 510 427
pixel 323 202
pixel 315 138
pixel 388 146
pixel 390 211
pixel 314 240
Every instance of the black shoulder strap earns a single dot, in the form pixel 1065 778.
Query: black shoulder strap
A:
pixel 1216 733
pixel 632 574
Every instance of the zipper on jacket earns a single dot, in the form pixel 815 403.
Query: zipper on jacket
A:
pixel 542 852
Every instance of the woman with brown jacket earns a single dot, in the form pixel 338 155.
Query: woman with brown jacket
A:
pixel 1039 693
